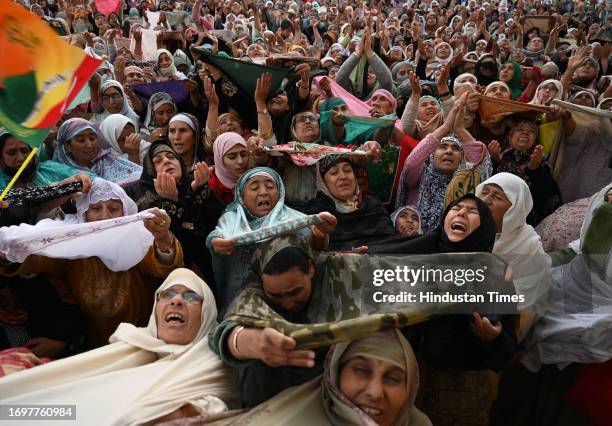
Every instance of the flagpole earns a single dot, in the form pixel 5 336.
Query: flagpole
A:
pixel 21 169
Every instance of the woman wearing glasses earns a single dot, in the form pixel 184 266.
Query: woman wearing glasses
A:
pixel 146 374
pixel 113 100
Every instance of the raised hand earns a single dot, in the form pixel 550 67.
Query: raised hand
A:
pixel 495 150
pixel 536 158
pixel 262 89
pixel 201 174
pixel 165 186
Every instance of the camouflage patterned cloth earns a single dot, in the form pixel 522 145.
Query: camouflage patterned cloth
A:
pixel 278 229
pixel 343 305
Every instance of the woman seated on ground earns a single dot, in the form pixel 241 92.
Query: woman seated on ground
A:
pixel 112 291
pixel 165 183
pixel 145 375
pixel 259 203
pixel 122 134
pixel 361 217
pixel 370 381
pixel 430 167
pixel 81 145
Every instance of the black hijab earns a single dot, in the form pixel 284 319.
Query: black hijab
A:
pixel 485 80
pixel 481 240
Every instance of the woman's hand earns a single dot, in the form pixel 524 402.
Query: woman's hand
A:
pixel 262 90
pixel 327 227
pixel 201 174
pixel 224 246
pixel 495 150
pixel 131 146
pixel 373 150
pixel 209 91
pixel 536 158
pixel 159 226
pixel 44 347
pixel 484 330
pixel 415 83
pixel 165 186
pixel 79 177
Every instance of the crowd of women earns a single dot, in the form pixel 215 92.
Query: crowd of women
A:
pixel 192 243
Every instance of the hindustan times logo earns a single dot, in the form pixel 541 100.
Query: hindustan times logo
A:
pixel 410 276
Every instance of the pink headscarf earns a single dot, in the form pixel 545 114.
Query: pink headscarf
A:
pixel 222 145
pixel 386 94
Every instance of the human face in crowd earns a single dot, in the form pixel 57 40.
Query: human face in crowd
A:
pixel 506 73
pixel 127 131
pixel 83 147
pixel 428 108
pixel 102 210
pixel 290 290
pixel 332 73
pixel 586 72
pixel 456 40
pixel 134 77
pixel 255 50
pixel 371 78
pixel 403 71
pixel 443 51
pixel 535 44
pixel 112 100
pixel 182 138
pixel 407 223
pixel 481 45
pixel 306 126
pixel 164 61
pixel 260 195
pixel 14 153
pixel 432 20
pixel 163 114
pixel 236 160
pixel 178 315
pixel 340 180
pixel 396 55
pixel 279 104
pixel 447 157
pixel 100 21
pixel 429 49
pixel 230 123
pixel 167 162
pixel 547 93
pixel 377 387
pixel 523 135
pixel 498 91
pixel 462 220
pixel 498 202
pixel 583 99
pixel 380 106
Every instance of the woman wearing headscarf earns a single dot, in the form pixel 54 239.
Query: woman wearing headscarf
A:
pixel 186 138
pixel 458 349
pixel 186 196
pixel 146 374
pixel 486 69
pixel 340 395
pixel 547 91
pixel 160 110
pixel 407 221
pixel 231 162
pixel 429 168
pixel 111 281
pixel 166 68
pixel 81 145
pixel 259 202
pixel 122 134
pixel 511 73
pixel 113 101
pixel 524 158
pixel 510 201
pixel 361 217
pixel 423 114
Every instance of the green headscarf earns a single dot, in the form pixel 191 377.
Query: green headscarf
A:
pixel 515 83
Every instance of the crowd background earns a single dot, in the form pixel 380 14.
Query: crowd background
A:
pixel 363 129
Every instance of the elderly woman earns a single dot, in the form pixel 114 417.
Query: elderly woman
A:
pixel 430 167
pixel 361 217
pixel 186 196
pixel 110 285
pixel 160 110
pixel 370 381
pixel 524 158
pixel 122 134
pixel 81 145
pixel 156 373
pixel 113 100
pixel 259 202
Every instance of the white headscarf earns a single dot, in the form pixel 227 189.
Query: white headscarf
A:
pixel 119 243
pixel 112 126
pixel 126 109
pixel 519 244
pixel 138 377
pixel 170 71
pixel 556 83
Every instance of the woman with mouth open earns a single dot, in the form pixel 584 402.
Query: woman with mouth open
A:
pixel 259 203
pixel 370 381
pixel 430 166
